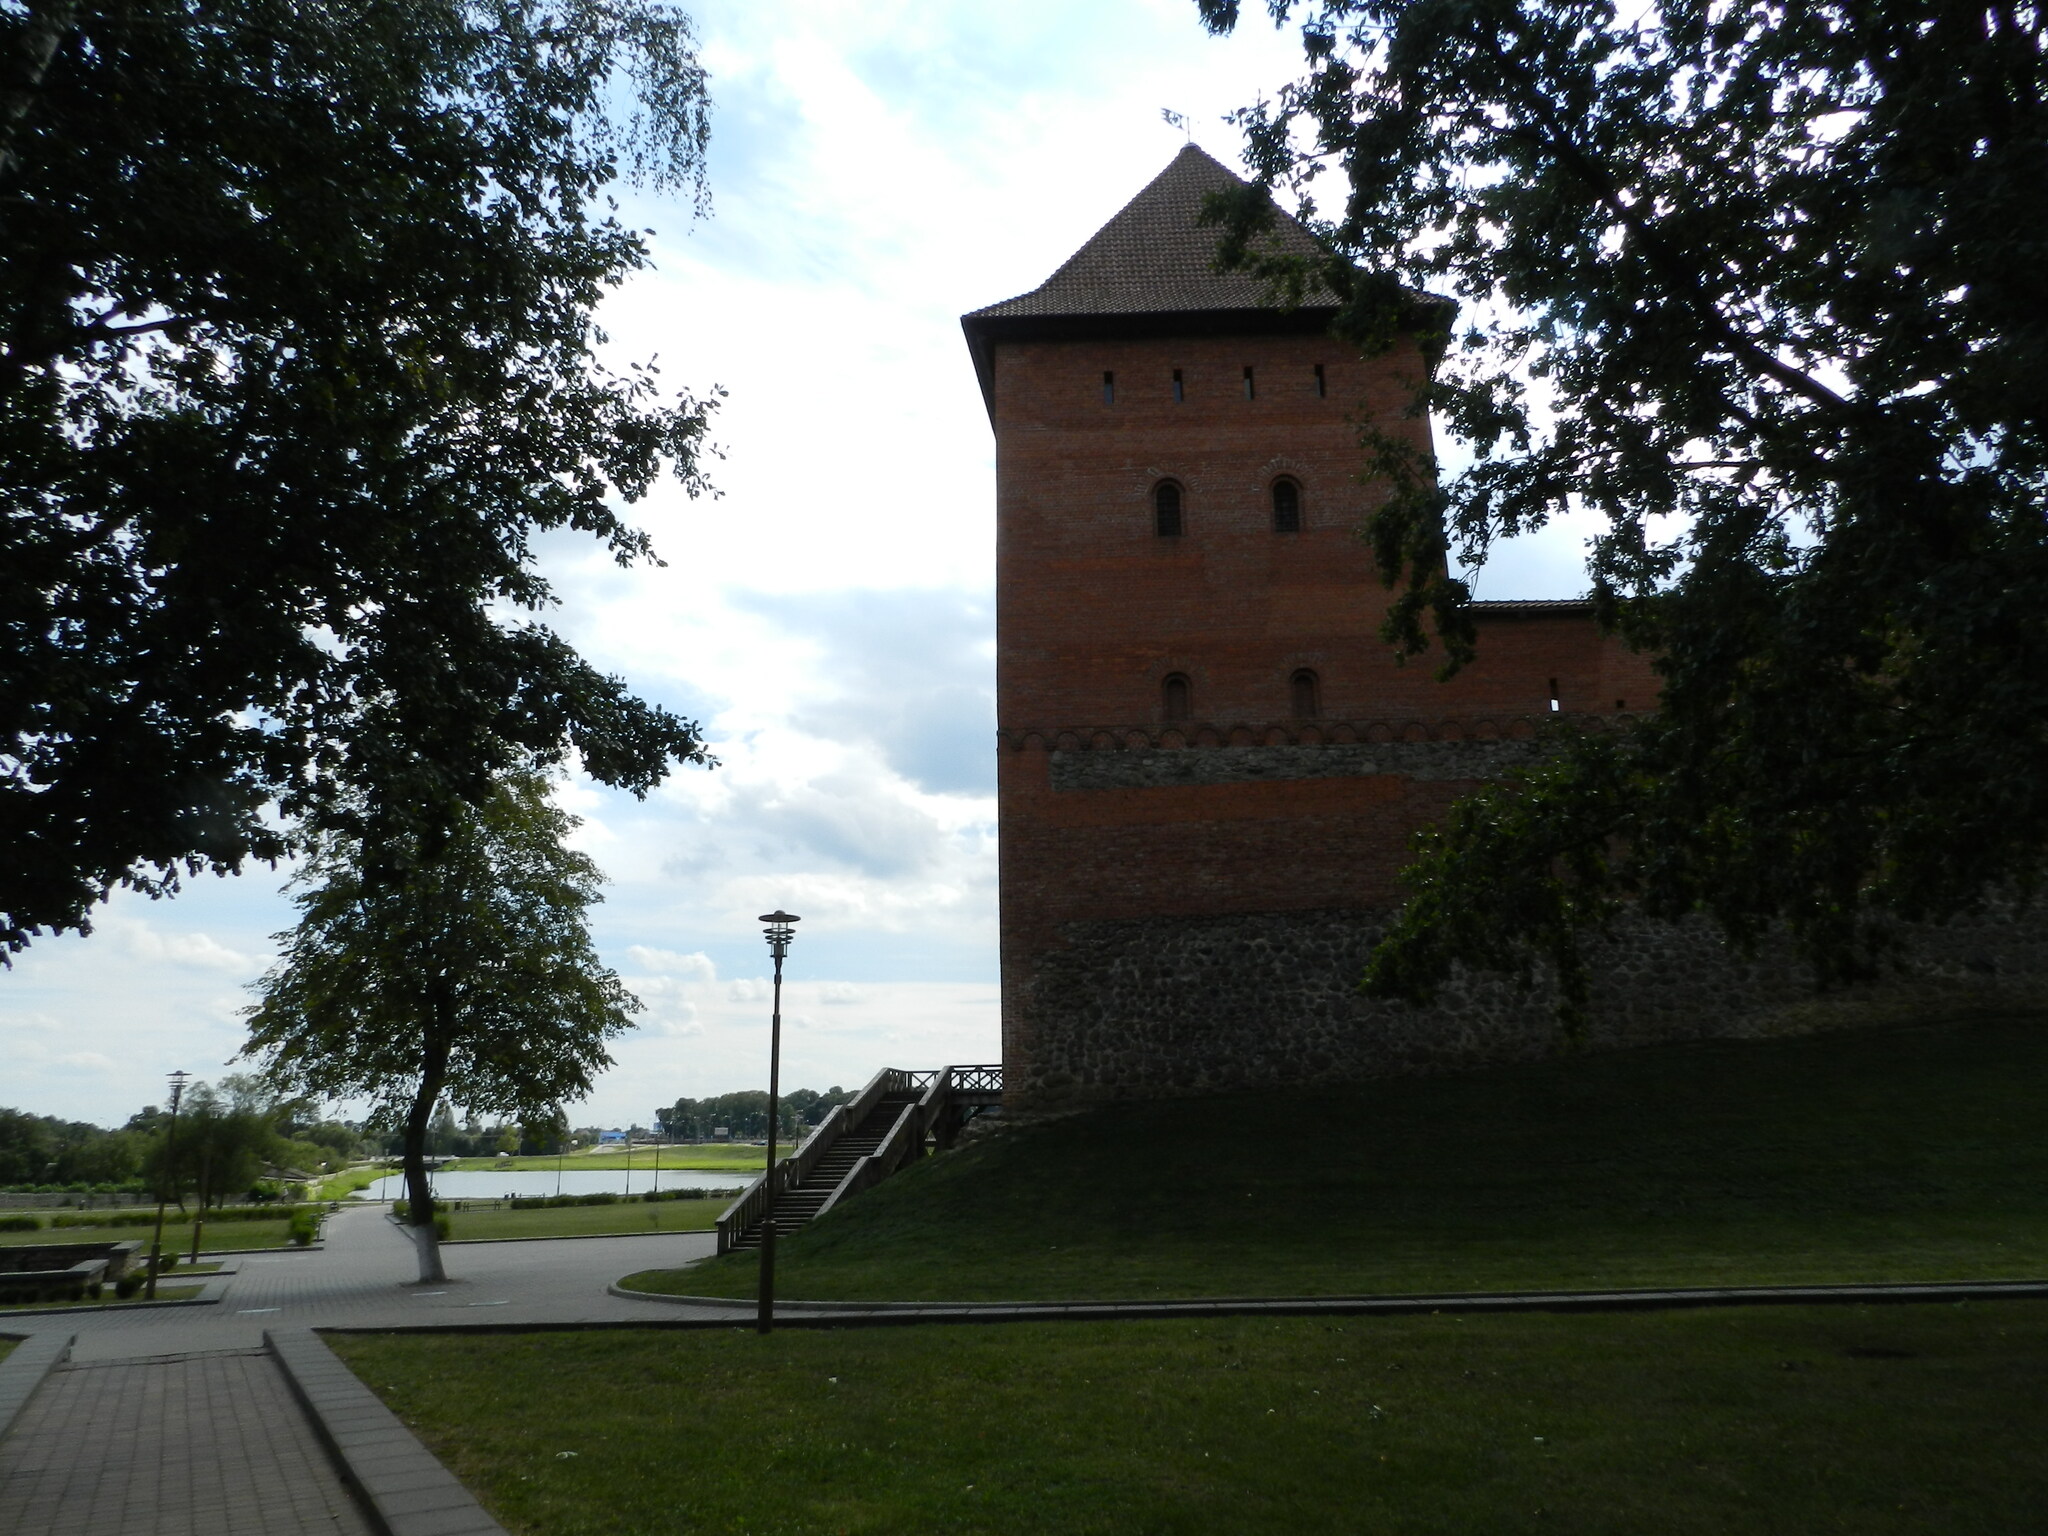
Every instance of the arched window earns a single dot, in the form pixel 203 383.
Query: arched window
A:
pixel 1305 694
pixel 1177 697
pixel 1166 508
pixel 1286 507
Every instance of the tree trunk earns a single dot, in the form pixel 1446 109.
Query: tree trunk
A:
pixel 419 1198
pixel 35 47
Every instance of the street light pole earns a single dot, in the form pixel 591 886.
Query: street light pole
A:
pixel 156 1247
pixel 779 934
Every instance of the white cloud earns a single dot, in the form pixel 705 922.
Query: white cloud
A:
pixel 672 963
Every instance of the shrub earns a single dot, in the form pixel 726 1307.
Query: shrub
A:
pixel 127 1285
pixel 20 1224
pixel 305 1224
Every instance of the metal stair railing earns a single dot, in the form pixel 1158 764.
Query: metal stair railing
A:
pixel 746 1211
pixel 903 1142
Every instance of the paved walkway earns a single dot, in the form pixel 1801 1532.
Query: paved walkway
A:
pixel 206 1445
pixel 173 1421
pixel 360 1279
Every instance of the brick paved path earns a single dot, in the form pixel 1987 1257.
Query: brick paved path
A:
pixel 172 1421
pixel 206 1445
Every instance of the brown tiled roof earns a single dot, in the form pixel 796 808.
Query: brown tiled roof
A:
pixel 1155 256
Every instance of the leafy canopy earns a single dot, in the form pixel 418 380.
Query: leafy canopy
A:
pixel 297 360
pixel 1766 288
pixel 468 973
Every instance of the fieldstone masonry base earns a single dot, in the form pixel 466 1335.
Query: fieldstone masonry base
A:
pixel 1188 1005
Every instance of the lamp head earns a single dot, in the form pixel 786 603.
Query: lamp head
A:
pixel 178 1081
pixel 779 931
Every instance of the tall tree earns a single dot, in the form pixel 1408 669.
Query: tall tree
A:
pixel 297 360
pixel 457 965
pixel 1766 288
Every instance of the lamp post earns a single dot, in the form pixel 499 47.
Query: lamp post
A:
pixel 178 1081
pixel 779 934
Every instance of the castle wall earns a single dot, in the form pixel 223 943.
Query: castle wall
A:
pixel 1109 812
pixel 1175 1005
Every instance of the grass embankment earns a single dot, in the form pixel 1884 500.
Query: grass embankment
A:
pixel 716 1157
pixel 1911 1154
pixel 1793 1419
pixel 628 1216
pixel 341 1185
pixel 219 1236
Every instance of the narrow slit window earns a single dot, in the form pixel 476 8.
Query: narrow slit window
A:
pixel 1108 388
pixel 1305 695
pixel 1166 509
pixel 1179 390
pixel 1251 391
pixel 1177 697
pixel 1554 706
pixel 1322 384
pixel 1286 507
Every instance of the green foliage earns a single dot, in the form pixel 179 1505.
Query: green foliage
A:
pixel 21 1223
pixel 1767 291
pixel 297 362
pixel 99 1219
pixel 41 1151
pixel 457 965
pixel 479 952
pixel 745 1114
pixel 305 1224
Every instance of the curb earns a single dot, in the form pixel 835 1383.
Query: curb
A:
pixel 403 1489
pixel 23 1371
pixel 854 1312
pixel 111 1306
pixel 576 1237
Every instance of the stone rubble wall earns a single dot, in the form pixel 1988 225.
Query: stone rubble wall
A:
pixel 1158 1007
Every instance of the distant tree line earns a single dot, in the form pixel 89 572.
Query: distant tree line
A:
pixel 228 1140
pixel 745 1115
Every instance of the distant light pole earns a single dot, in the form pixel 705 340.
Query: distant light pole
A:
pixel 779 935
pixel 156 1248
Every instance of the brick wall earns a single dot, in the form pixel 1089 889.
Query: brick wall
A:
pixel 1109 812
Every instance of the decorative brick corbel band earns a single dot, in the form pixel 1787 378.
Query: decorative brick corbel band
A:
pixel 1284 733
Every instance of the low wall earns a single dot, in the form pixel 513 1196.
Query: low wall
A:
pixel 1184 1005
pixel 60 1271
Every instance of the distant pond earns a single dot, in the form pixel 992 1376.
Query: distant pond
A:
pixel 490 1184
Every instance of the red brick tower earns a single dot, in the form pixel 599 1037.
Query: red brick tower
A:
pixel 1206 751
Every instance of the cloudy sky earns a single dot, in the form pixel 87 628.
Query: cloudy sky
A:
pixel 878 167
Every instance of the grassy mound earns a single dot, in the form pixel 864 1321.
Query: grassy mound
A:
pixel 1893 1155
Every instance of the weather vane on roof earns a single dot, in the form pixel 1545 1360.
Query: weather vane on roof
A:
pixel 1179 120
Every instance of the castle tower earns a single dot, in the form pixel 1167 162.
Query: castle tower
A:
pixel 1210 764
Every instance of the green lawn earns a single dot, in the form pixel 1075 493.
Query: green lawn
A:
pixel 341 1185
pixel 109 1299
pixel 1873 1420
pixel 716 1157
pixel 589 1220
pixel 1910 1154
pixel 222 1236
